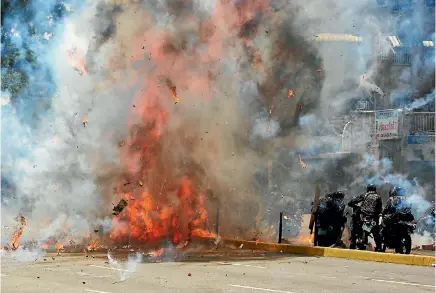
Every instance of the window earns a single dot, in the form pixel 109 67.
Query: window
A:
pixel 430 3
pixel 362 105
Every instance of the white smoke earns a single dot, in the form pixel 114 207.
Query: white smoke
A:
pixel 125 269
pixel 23 255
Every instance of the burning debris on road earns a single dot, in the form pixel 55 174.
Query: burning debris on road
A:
pixel 21 222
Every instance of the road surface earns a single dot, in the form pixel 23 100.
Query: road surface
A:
pixel 261 273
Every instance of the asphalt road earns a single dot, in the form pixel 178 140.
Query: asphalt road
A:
pixel 214 273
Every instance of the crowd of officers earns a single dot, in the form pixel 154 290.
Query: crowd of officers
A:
pixel 330 213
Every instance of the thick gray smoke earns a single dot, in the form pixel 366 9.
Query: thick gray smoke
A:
pixel 118 67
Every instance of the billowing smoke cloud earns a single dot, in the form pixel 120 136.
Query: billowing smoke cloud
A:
pixel 157 100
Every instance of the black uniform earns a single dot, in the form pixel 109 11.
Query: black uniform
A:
pixel 370 205
pixel 330 215
pixel 396 209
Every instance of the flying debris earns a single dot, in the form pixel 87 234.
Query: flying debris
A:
pixel 173 90
pixel 302 164
pixel 85 121
pixel 119 207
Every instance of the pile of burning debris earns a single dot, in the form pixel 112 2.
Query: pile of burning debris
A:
pixel 158 249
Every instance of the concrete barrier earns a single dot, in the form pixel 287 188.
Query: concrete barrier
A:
pixel 411 259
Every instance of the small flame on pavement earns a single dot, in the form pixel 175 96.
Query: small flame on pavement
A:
pixel 21 223
pixel 59 247
pixel 306 238
pixel 156 253
pixel 93 245
pixel 291 93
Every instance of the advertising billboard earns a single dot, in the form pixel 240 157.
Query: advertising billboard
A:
pixel 386 124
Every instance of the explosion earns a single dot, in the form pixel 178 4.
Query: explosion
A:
pixel 176 111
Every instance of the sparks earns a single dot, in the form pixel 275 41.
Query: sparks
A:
pixel 302 164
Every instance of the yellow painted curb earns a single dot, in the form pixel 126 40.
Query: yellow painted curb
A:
pixel 420 260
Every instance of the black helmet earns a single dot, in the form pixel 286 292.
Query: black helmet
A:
pixel 338 194
pixel 371 187
pixel 397 191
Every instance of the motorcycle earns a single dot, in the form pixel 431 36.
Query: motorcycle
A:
pixel 367 224
pixel 328 236
pixel 398 237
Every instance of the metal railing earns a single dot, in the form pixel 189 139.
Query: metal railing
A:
pixel 420 122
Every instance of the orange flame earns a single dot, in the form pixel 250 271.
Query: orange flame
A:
pixel 77 61
pixel 93 245
pixel 175 97
pixel 173 90
pixel 302 164
pixel 306 239
pixel 169 201
pixel 17 234
pixel 16 237
pixel 202 233
pixel 290 93
pixel 157 252
pixel 59 247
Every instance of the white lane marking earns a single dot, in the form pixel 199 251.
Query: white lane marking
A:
pixel 250 266
pixel 96 291
pixel 109 268
pixel 91 275
pixel 58 269
pixel 261 289
pixel 239 264
pixel 404 283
